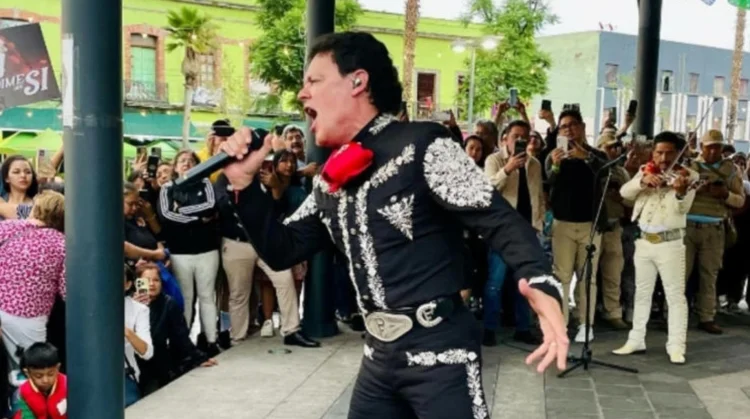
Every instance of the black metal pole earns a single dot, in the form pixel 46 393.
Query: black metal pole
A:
pixel 320 308
pixel 647 65
pixel 92 120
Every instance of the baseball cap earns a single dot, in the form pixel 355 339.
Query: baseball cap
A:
pixel 713 136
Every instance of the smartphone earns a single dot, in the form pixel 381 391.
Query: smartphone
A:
pixel 43 164
pixel 151 165
pixel 642 139
pixel 562 143
pixel 513 100
pixel 441 116
pixel 156 151
pixel 141 153
pixel 144 194
pixel 575 106
pixel 567 107
pixel 278 129
pixel 632 107
pixel 613 114
pixel 520 147
pixel 141 286
pixel 547 105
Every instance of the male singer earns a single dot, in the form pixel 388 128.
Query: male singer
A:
pixel 393 198
pixel 661 207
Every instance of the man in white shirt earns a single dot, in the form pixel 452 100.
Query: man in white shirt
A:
pixel 661 206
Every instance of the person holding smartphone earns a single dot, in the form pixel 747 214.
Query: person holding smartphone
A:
pixel 518 178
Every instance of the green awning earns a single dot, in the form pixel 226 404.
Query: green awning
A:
pixel 136 124
pixel 27 144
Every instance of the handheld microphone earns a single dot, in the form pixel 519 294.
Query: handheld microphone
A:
pixel 217 162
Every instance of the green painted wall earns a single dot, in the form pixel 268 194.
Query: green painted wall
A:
pixel 433 53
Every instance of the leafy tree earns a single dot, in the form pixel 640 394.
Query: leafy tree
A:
pixel 196 34
pixel 278 56
pixel 517 61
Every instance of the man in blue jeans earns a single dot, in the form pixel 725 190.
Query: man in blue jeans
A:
pixel 498 270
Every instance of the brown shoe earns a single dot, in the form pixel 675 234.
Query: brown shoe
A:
pixel 710 327
pixel 618 324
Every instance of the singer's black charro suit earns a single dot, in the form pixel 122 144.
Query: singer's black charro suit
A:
pixel 400 224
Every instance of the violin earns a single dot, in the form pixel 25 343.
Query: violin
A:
pixel 670 175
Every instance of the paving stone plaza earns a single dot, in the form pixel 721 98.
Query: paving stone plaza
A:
pixel 256 380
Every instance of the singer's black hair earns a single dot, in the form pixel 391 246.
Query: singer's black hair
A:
pixel 670 137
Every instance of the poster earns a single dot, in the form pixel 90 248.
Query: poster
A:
pixel 26 74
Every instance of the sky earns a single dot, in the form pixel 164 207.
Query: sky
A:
pixel 689 21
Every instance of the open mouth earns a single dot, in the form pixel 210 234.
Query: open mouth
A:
pixel 312 114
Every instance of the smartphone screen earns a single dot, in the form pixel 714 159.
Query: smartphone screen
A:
pixel 546 105
pixel 156 151
pixel 513 100
pixel 613 114
pixel 441 116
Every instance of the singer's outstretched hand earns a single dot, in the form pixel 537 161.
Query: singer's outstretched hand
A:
pixel 241 173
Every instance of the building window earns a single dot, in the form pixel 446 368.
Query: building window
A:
pixel 426 83
pixel 718 86
pixel 667 81
pixel 739 131
pixel 142 83
pixel 207 74
pixel 610 74
pixel 743 87
pixel 742 110
pixel 694 80
pixel 7 22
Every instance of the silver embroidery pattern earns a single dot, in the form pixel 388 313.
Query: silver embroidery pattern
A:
pixel 367 249
pixel 324 186
pixel 381 122
pixel 309 207
pixel 473 373
pixel 454 177
pixel 341 214
pixel 327 222
pixel 369 352
pixel 549 280
pixel 474 382
pixel 449 357
pixel 399 215
pixel 390 169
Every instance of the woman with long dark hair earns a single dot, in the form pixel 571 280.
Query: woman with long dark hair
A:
pixel 20 185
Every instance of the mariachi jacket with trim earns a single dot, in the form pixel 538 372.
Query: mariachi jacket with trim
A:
pixel 400 223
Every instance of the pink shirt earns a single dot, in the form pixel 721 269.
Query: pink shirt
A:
pixel 32 268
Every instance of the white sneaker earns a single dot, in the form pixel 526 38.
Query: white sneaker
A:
pixel 581 335
pixel 267 330
pixel 676 358
pixel 630 348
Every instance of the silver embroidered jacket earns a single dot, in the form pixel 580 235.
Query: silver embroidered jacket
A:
pixel 400 223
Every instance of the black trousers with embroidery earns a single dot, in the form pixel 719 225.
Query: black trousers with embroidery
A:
pixel 430 373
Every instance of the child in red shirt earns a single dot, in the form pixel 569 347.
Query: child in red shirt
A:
pixel 45 394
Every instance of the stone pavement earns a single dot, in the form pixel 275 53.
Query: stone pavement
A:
pixel 255 380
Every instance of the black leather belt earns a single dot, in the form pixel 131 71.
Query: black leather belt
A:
pixel 388 326
pixel 429 311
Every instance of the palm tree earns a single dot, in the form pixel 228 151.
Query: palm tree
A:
pixel 196 34
pixel 410 45
pixel 739 43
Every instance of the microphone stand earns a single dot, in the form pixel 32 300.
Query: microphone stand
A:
pixel 586 357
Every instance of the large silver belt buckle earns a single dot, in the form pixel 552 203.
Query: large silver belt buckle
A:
pixel 426 315
pixel 387 327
